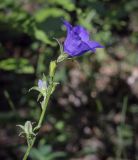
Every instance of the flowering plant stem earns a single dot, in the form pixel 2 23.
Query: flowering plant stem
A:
pixel 76 44
pixel 44 107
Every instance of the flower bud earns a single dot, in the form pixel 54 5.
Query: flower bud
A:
pixel 52 68
pixel 28 127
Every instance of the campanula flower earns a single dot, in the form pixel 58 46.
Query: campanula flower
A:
pixel 42 84
pixel 77 41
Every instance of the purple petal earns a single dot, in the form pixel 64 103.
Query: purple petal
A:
pixel 76 49
pixel 40 83
pixel 82 32
pixel 94 44
pixel 73 45
pixel 77 41
pixel 68 26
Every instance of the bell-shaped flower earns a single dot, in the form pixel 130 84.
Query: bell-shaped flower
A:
pixel 77 41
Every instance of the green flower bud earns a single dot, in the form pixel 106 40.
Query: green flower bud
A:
pixel 52 68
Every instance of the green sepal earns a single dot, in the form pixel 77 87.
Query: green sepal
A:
pixel 28 127
pixel 21 126
pixel 27 130
pixel 35 88
pixel 60 45
pixel 21 134
pixel 44 78
pixel 62 57
pixel 43 92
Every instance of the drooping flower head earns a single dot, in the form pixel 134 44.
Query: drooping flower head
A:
pixel 77 41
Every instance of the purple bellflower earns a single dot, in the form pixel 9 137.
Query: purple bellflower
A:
pixel 77 41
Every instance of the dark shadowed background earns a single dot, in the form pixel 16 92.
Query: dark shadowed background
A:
pixel 93 113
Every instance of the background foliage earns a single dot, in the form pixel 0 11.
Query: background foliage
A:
pixel 93 113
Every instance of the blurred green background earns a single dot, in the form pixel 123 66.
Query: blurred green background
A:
pixel 93 112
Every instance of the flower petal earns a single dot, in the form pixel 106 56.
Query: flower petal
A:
pixel 71 42
pixel 82 32
pixel 73 45
pixel 68 26
pixel 77 41
pixel 94 44
pixel 76 48
pixel 40 83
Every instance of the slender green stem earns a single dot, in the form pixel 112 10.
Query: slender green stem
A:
pixel 44 107
pixel 29 149
pixel 39 124
pixel 44 110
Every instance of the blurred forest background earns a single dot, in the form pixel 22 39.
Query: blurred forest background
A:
pixel 93 112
